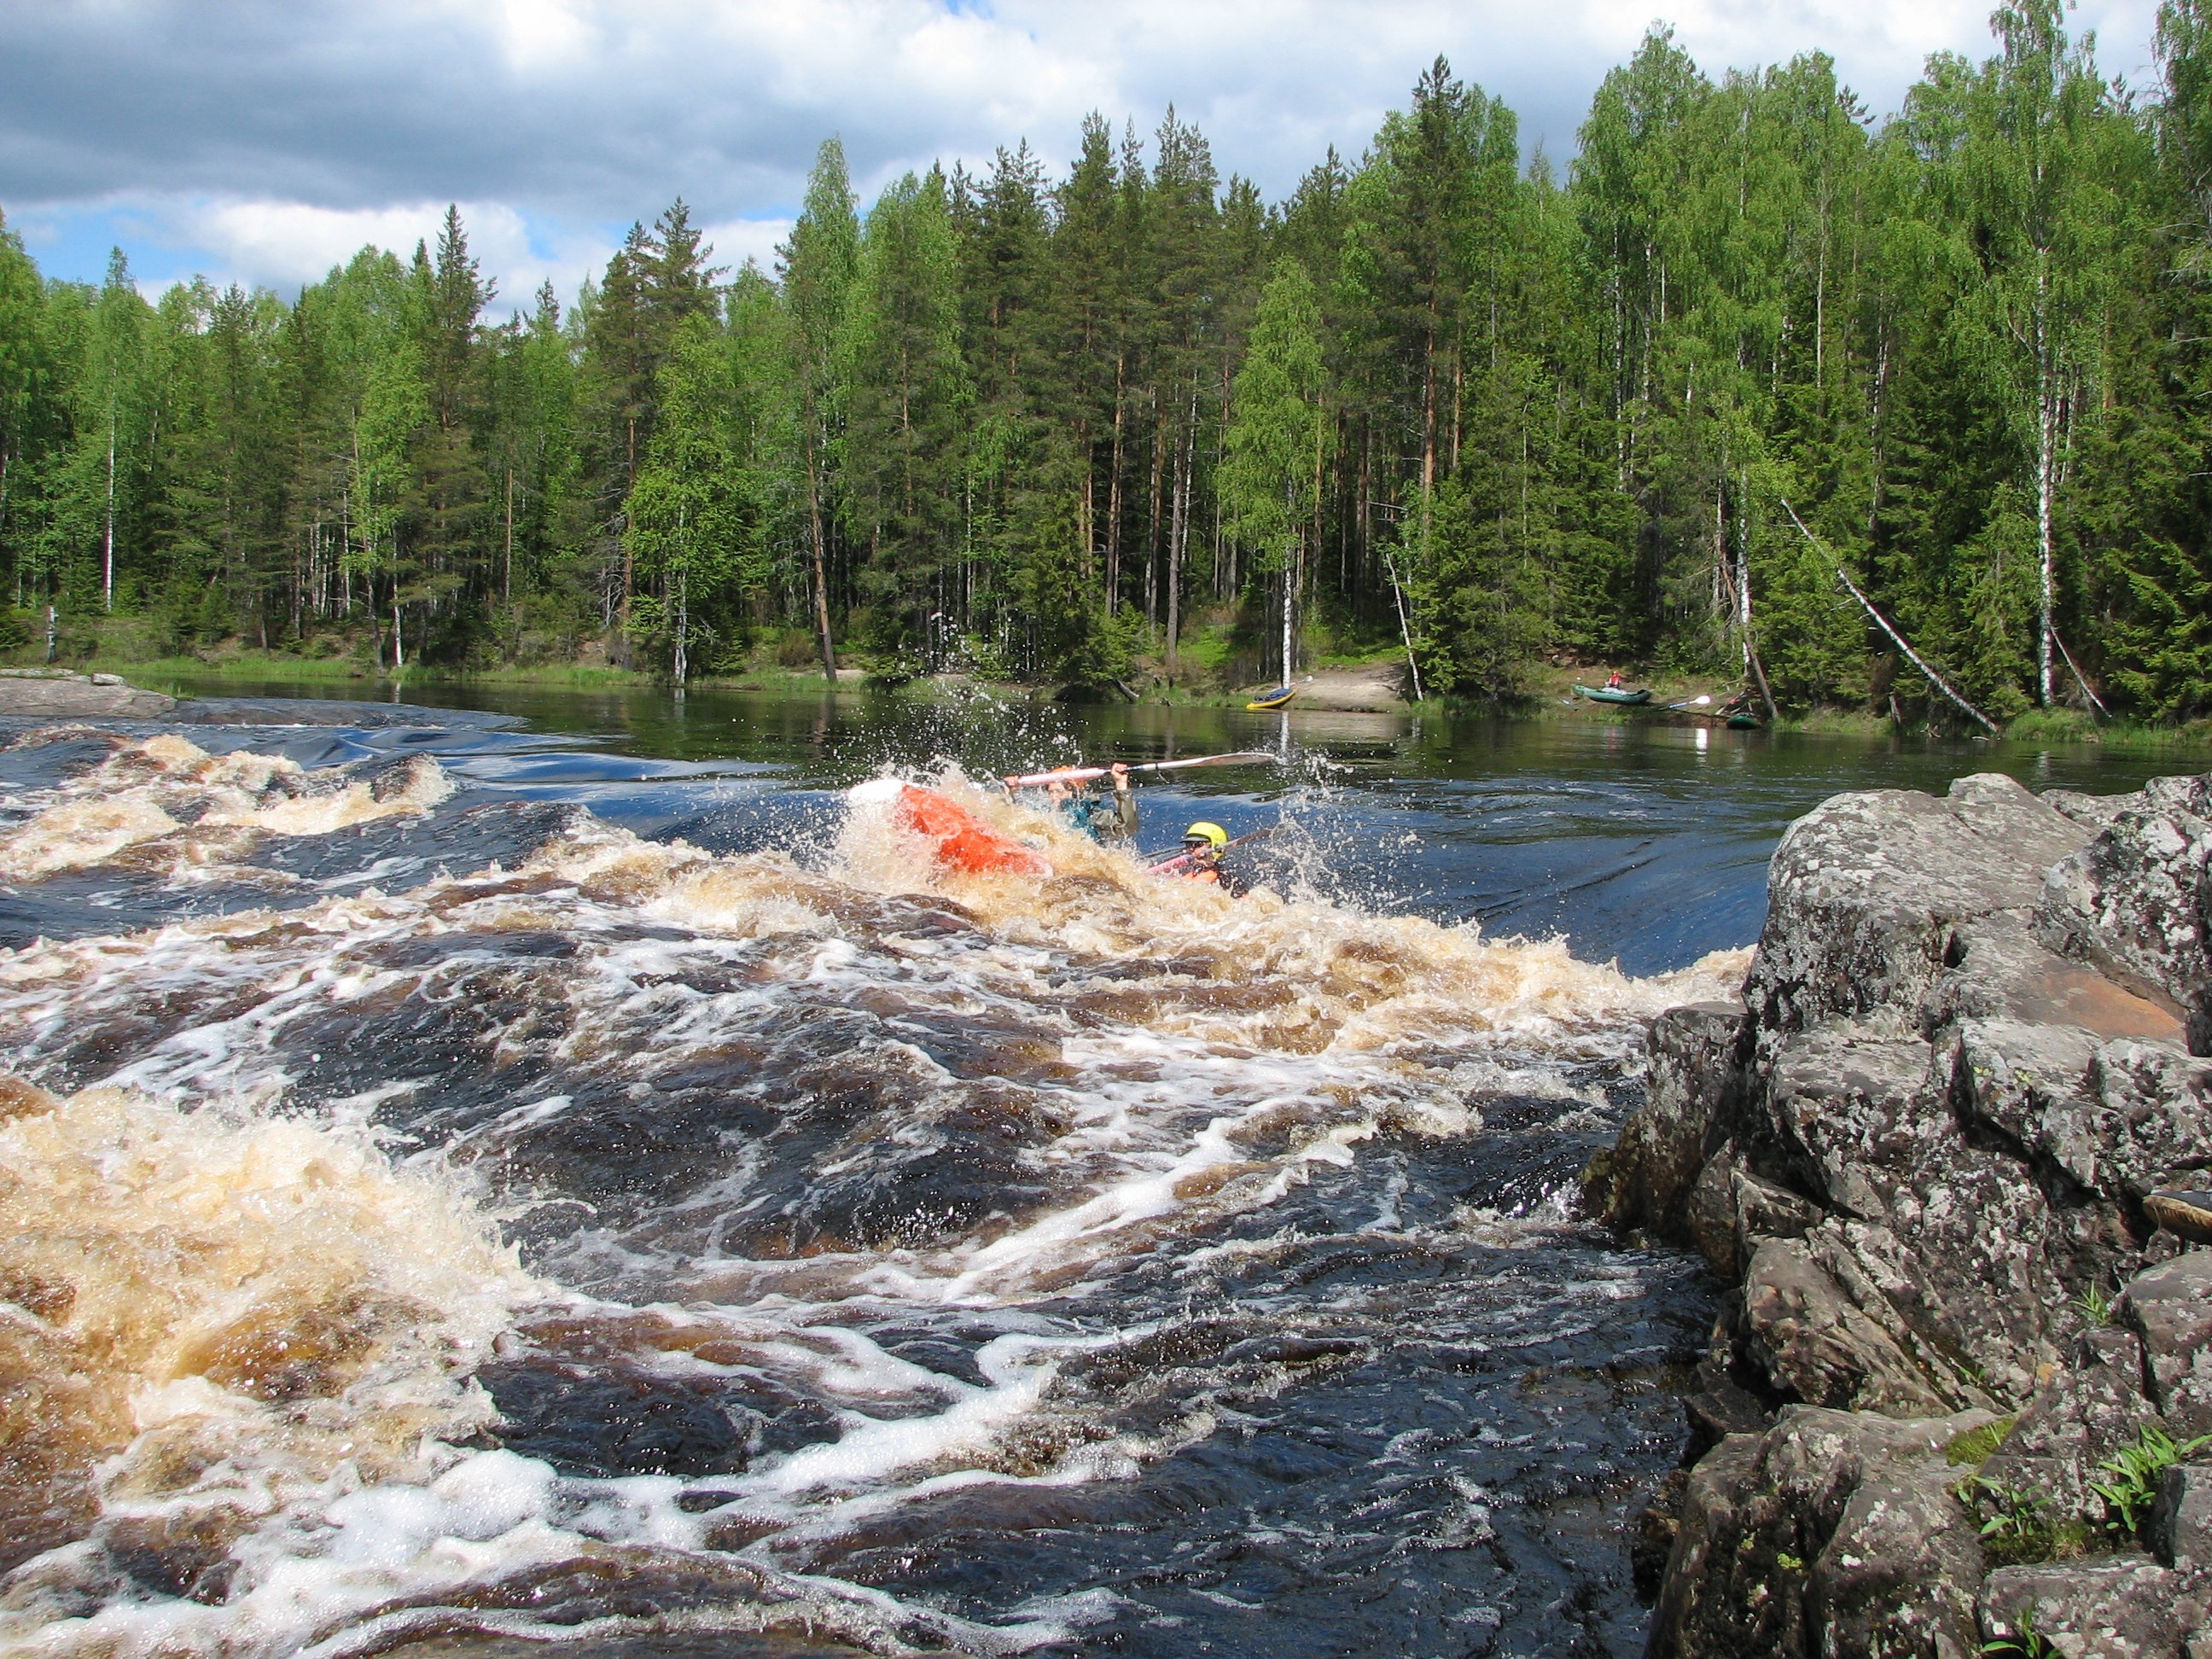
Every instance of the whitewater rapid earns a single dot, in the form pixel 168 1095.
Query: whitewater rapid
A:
pixel 463 1214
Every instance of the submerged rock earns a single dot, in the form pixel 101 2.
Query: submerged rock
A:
pixel 1934 1148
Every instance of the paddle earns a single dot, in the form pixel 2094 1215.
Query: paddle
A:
pixel 1085 774
pixel 1697 701
pixel 1183 860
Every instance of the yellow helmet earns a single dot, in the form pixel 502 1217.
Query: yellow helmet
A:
pixel 1211 834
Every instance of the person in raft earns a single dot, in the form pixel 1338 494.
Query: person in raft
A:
pixel 1082 808
pixel 1203 844
pixel 1612 681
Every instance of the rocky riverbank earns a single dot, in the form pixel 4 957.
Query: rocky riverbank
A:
pixel 63 694
pixel 1951 1406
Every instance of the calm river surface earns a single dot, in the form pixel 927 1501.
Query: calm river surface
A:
pixel 546 1171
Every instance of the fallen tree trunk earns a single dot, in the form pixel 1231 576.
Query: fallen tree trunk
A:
pixel 1883 622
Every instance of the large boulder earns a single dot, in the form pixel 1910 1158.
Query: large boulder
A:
pixel 1645 1183
pixel 46 693
pixel 2170 1307
pixel 1929 1149
pixel 1835 1533
pixel 1865 892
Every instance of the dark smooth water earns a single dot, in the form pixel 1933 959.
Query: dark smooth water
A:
pixel 570 1178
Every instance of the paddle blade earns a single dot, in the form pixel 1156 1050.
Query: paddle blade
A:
pixel 1241 757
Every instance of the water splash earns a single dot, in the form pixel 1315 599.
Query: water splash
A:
pixel 848 1189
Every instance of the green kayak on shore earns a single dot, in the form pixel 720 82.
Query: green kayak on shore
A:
pixel 1626 699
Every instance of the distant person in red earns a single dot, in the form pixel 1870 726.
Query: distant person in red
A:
pixel 1612 681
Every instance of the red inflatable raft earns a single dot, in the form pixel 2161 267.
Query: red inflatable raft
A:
pixel 962 840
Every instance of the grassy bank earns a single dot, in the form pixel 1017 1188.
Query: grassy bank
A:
pixel 249 667
pixel 124 649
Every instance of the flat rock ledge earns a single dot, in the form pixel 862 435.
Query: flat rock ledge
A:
pixel 1972 1044
pixel 63 694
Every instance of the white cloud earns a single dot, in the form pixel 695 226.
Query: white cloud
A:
pixel 541 35
pixel 736 240
pixel 285 245
pixel 277 145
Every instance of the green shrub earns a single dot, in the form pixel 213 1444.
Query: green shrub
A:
pixel 2094 1306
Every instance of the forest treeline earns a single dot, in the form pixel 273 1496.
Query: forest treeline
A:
pixel 1135 420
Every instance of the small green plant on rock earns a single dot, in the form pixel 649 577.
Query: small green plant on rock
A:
pixel 2136 1472
pixel 2024 1643
pixel 1975 1447
pixel 2094 1306
pixel 2017 1527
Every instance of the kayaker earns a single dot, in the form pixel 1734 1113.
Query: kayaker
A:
pixel 1082 808
pixel 1612 680
pixel 1203 844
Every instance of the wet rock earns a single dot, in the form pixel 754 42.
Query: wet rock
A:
pixel 186 1553
pixel 613 1417
pixel 2170 1307
pixel 798 1643
pixel 1652 1532
pixel 2126 1606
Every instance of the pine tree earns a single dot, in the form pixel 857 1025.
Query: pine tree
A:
pixel 818 265
pixel 907 392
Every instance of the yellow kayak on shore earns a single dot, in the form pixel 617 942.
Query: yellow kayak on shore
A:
pixel 1274 699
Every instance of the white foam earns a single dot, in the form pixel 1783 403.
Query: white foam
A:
pixel 1175 1052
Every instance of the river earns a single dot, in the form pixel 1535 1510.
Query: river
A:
pixel 545 1170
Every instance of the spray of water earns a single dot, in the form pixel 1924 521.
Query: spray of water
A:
pixel 326 1203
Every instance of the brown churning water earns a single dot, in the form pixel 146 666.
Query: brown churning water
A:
pixel 601 1230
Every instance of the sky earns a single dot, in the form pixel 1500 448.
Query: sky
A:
pixel 263 141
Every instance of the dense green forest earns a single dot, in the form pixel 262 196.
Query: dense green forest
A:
pixel 1136 424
